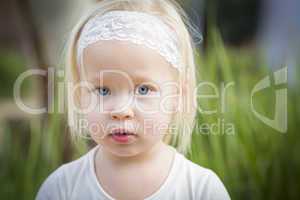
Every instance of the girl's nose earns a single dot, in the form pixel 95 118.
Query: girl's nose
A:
pixel 122 115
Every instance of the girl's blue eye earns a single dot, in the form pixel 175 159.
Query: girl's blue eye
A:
pixel 143 89
pixel 103 91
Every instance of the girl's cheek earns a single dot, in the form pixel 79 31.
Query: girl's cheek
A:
pixel 156 126
pixel 148 105
pixel 95 124
pixel 157 106
pixel 154 116
pixel 89 103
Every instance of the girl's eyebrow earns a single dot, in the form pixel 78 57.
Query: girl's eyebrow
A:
pixel 139 78
pixel 134 78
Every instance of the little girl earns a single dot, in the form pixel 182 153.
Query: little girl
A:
pixel 131 80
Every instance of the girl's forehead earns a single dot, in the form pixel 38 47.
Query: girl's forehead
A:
pixel 125 57
pixel 116 76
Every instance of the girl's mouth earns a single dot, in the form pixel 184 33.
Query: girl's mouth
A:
pixel 122 136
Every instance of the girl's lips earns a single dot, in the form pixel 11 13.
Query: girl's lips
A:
pixel 122 137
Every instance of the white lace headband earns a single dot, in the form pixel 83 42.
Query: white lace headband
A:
pixel 137 27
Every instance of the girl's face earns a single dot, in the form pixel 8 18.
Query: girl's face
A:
pixel 134 90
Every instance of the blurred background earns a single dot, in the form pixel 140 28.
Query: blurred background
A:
pixel 247 125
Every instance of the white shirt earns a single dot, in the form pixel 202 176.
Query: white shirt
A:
pixel 77 181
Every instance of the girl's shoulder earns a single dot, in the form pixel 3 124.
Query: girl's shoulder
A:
pixel 59 184
pixel 195 170
pixel 204 182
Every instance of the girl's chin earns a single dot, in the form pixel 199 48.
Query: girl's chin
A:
pixel 123 152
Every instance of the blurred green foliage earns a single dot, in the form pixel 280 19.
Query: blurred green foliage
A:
pixel 255 162
pixel 11 65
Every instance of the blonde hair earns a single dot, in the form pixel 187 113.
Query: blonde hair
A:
pixel 171 13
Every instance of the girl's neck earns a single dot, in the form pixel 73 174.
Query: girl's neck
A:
pixel 154 153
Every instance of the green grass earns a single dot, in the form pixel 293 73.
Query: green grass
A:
pixel 255 162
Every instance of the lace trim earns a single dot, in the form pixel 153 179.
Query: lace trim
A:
pixel 139 28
